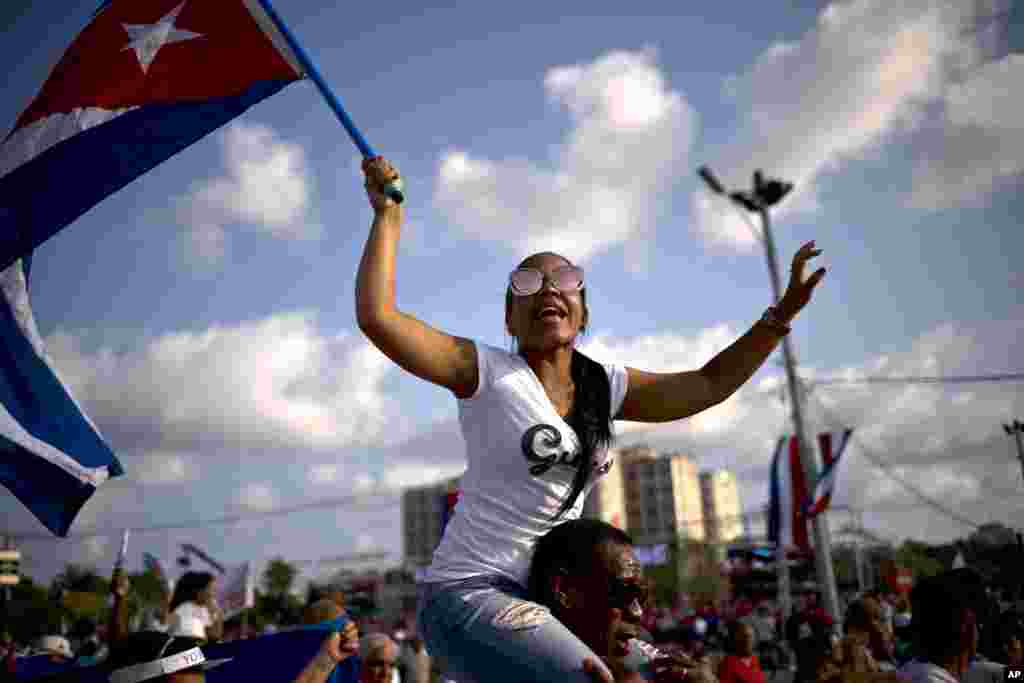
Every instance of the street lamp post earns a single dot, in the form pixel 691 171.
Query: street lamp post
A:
pixel 767 193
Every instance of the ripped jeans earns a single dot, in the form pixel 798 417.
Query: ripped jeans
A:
pixel 484 630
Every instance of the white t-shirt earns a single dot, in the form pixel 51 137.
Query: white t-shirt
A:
pixel 925 672
pixel 189 619
pixel 521 462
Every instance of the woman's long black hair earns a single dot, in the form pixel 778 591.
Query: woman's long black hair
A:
pixel 590 418
pixel 189 586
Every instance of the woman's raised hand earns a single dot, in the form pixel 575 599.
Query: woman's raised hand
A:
pixel 798 293
pixel 379 172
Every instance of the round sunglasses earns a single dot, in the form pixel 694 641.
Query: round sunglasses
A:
pixel 528 281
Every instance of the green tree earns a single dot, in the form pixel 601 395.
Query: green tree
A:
pixel 81 592
pixel 276 604
pixel 80 579
pixel 279 576
pixel 914 556
pixel 30 612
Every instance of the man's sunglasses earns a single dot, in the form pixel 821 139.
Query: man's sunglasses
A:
pixel 527 281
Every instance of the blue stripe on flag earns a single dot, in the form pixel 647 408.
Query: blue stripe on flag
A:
pixel 100 161
pixel 35 398
pixel 51 494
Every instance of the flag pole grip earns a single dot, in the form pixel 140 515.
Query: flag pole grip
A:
pixel 394 188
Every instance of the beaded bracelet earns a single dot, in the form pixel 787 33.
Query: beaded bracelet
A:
pixel 771 319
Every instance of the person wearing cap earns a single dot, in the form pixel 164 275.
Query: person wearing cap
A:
pixel 155 657
pixel 50 654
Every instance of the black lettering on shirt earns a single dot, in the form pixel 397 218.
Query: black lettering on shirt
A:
pixel 542 445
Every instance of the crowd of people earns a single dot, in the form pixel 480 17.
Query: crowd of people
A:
pixel 584 574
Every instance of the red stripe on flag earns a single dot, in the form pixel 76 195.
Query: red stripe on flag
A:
pixel 825 442
pixel 800 496
pixel 98 71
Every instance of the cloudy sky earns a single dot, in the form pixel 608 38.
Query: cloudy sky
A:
pixel 204 315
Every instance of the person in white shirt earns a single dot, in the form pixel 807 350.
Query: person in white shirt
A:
pixel 193 609
pixel 537 424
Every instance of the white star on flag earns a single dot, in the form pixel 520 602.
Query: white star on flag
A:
pixel 147 39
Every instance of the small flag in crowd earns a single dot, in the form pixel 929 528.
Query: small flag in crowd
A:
pixel 144 80
pixel 827 479
pixel 236 590
pixel 152 565
pixel 787 523
pixel 52 457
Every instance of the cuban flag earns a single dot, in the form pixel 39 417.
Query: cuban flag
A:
pixel 787 520
pixel 143 80
pixel 52 457
pixel 827 479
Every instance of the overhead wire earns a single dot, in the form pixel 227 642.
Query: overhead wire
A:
pixel 887 469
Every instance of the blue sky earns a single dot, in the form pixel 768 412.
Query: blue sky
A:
pixel 204 314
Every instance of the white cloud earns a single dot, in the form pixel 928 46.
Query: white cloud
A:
pixel 630 132
pixel 364 543
pixel 257 496
pixel 411 474
pixel 323 474
pixel 266 185
pixel 272 383
pixel 981 143
pixel 96 548
pixel 867 70
pixel 158 467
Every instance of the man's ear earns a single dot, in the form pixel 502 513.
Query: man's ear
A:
pixel 563 592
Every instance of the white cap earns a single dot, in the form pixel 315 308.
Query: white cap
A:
pixel 56 645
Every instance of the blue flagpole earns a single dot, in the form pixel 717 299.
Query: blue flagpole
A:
pixel 394 188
